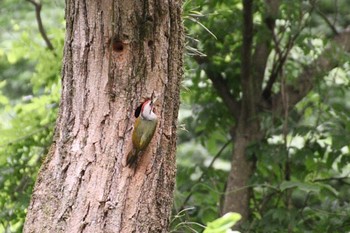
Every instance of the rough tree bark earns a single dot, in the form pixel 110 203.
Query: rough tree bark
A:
pixel 116 53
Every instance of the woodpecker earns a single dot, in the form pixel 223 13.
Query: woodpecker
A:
pixel 144 128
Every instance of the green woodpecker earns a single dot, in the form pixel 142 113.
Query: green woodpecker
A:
pixel 144 128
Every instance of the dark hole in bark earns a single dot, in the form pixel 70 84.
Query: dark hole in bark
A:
pixel 118 46
pixel 150 42
pixel 149 18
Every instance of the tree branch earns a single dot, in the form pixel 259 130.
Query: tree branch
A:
pixel 343 179
pixel 249 97
pixel 282 58
pixel 263 47
pixel 220 84
pixel 325 62
pixel 325 18
pixel 203 174
pixel 278 66
pixel 40 24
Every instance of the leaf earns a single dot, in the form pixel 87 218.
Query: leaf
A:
pixel 223 224
pixel 329 188
pixel 202 25
pixel 307 187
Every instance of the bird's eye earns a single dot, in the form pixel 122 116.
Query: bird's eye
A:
pixel 138 111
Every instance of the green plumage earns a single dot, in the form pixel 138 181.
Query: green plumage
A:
pixel 141 137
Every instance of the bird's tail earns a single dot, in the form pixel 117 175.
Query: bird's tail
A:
pixel 131 159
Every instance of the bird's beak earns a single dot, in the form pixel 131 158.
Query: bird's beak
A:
pixel 153 100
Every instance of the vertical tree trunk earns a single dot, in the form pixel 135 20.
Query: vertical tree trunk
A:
pixel 116 53
pixel 237 194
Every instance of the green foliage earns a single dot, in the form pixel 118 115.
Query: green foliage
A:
pixel 314 152
pixel 302 177
pixel 29 95
pixel 223 224
pixel 3 99
pixel 220 225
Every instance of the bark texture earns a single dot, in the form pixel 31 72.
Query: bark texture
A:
pixel 116 53
pixel 237 193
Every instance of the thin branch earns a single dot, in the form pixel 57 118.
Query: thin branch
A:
pixel 201 177
pixel 328 22
pixel 278 65
pixel 249 95
pixel 24 137
pixel 325 18
pixel 341 178
pixel 282 58
pixel 42 31
pixel 265 200
pixel 220 85
pixel 305 82
pixel 263 47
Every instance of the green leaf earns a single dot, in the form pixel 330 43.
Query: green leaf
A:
pixel 223 224
pixel 307 187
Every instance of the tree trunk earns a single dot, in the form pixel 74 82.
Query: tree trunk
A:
pixel 116 53
pixel 237 193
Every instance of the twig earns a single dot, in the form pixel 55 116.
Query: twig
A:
pixel 40 24
pixel 281 60
pixel 325 18
pixel 341 178
pixel 200 178
pixel 45 127
pixel 220 84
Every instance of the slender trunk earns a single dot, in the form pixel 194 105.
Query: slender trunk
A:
pixel 116 53
pixel 237 192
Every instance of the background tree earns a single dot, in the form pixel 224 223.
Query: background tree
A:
pixel 270 64
pixel 29 74
pixel 116 53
